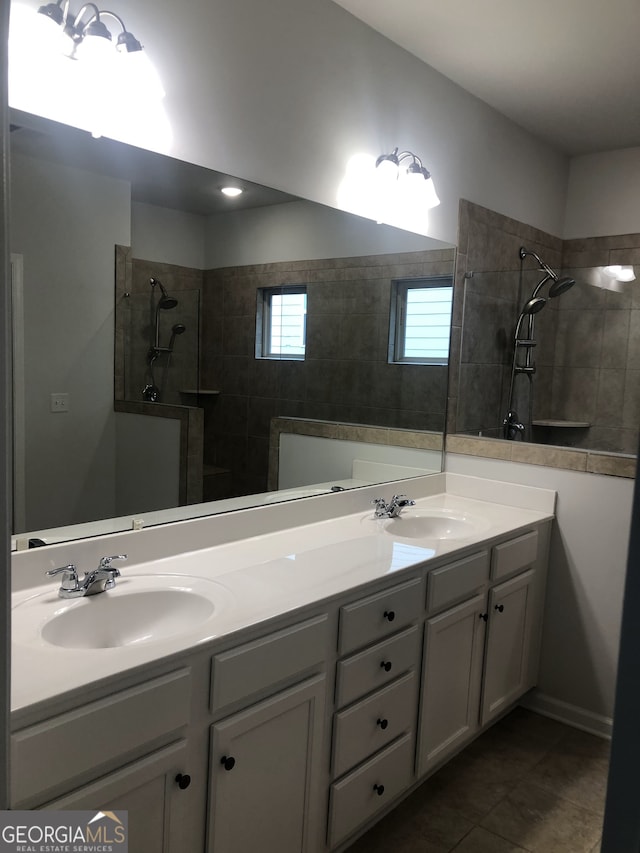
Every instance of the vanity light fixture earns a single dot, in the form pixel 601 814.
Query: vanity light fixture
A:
pixel 232 192
pixel 405 173
pixel 86 38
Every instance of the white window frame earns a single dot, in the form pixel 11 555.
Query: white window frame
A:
pixel 264 324
pixel 398 318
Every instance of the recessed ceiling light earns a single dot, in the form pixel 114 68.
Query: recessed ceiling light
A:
pixel 232 192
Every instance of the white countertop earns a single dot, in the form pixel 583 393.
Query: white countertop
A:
pixel 259 578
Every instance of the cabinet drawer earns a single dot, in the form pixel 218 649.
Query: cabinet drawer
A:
pixel 457 581
pixel 510 557
pixel 76 744
pixel 370 788
pixel 377 616
pixel 375 667
pixel 254 666
pixel 366 727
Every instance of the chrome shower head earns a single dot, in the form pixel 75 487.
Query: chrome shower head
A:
pixel 544 267
pixel 178 329
pixel 561 286
pixel 533 305
pixel 166 302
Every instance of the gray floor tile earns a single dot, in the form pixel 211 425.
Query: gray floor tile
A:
pixel 578 777
pixel 481 841
pixel 542 822
pixel 528 785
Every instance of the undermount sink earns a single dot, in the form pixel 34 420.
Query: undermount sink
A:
pixel 433 524
pixel 140 609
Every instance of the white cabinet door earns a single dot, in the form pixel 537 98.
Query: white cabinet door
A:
pixel 510 610
pixel 158 807
pixel 452 672
pixel 264 794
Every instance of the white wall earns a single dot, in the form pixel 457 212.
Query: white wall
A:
pixel 300 230
pixel 307 459
pixel 148 463
pixel 167 236
pixel 602 195
pixel 284 93
pixel 587 569
pixel 69 329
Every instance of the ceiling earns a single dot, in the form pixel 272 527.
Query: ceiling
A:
pixel 568 71
pixel 154 178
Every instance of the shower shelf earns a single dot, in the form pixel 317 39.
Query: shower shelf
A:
pixel 551 422
pixel 199 392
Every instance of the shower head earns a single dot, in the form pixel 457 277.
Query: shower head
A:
pixel 561 286
pixel 178 329
pixel 547 269
pixel 533 305
pixel 166 302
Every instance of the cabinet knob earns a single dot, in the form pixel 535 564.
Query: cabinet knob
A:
pixel 382 722
pixel 228 762
pixel 389 615
pixel 183 781
pixel 484 616
pixel 499 607
pixel 386 665
pixel 379 789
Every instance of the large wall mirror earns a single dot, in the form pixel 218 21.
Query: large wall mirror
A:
pixel 147 383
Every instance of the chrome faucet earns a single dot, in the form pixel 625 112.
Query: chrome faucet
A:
pixel 98 580
pixel 391 509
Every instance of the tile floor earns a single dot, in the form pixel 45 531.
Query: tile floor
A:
pixel 528 785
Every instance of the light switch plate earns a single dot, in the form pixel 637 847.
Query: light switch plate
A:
pixel 59 403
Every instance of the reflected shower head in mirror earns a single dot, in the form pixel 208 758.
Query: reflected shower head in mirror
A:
pixel 178 329
pixel 561 286
pixel 166 302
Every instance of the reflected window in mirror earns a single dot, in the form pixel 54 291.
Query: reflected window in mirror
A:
pixel 420 320
pixel 281 322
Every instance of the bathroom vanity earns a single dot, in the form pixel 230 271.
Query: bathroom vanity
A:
pixel 342 663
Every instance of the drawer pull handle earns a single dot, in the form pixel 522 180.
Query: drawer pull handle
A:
pixel 183 781
pixel 379 789
pixel 386 665
pixel 484 616
pixel 499 607
pixel 228 762
pixel 382 722
pixel 389 615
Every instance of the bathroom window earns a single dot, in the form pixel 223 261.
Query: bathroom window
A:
pixel 281 322
pixel 421 320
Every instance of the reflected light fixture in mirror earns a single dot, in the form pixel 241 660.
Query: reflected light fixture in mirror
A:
pixel 71 68
pixel 619 273
pixel 394 189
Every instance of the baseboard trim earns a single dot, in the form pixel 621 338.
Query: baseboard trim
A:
pixel 572 715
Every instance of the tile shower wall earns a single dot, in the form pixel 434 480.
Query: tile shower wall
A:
pixel 344 377
pixel 135 328
pixel 596 374
pixel 588 340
